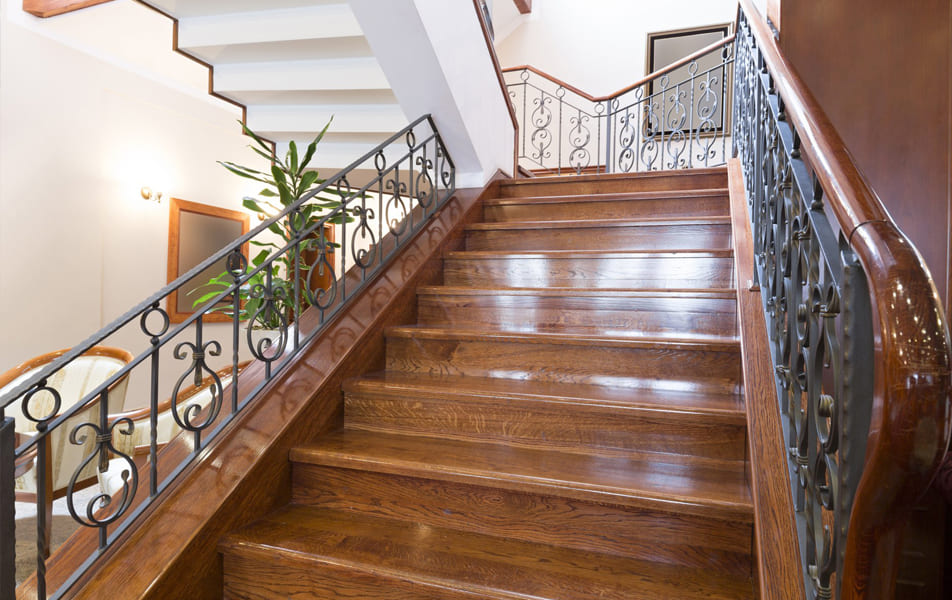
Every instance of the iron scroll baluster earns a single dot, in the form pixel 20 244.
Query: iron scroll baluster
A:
pixel 819 319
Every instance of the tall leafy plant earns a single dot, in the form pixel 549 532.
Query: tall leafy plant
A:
pixel 288 180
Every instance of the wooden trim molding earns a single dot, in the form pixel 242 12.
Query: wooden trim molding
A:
pixel 912 413
pixel 777 550
pixel 523 6
pixel 51 8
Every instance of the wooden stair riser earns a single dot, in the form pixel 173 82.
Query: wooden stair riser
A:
pixel 694 179
pixel 629 271
pixel 551 424
pixel 682 539
pixel 264 574
pixel 712 203
pixel 608 236
pixel 681 314
pixel 638 366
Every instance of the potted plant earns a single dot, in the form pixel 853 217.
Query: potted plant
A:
pixel 272 308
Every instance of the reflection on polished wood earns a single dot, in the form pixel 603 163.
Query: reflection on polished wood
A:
pixel 777 555
pixel 564 410
pixel 912 410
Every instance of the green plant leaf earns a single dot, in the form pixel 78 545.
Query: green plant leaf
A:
pixel 308 180
pixel 268 147
pixel 246 172
pixel 312 147
pixel 251 204
pixel 268 193
pixel 292 157
pixel 263 244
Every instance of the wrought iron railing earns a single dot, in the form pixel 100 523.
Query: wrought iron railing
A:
pixel 858 339
pixel 405 180
pixel 675 118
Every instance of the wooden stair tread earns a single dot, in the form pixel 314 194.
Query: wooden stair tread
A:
pixel 678 484
pixel 592 254
pixel 471 564
pixel 715 343
pixel 726 407
pixel 606 197
pixel 447 290
pixel 591 223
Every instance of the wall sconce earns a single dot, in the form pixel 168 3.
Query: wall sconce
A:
pixel 148 194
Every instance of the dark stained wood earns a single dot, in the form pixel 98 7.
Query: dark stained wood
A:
pixel 674 484
pixel 604 527
pixel 625 183
pixel 588 269
pixel 51 8
pixel 644 423
pixel 658 313
pixel 524 6
pixel 695 365
pixel 898 138
pixel 910 428
pixel 623 205
pixel 384 558
pixel 244 475
pixel 777 555
pixel 601 234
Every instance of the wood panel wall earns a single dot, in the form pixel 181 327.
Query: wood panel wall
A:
pixel 881 70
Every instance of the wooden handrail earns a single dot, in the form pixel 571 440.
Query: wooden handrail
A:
pixel 502 86
pixel 654 75
pixel 910 426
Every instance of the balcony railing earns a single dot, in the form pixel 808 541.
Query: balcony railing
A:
pixel 675 118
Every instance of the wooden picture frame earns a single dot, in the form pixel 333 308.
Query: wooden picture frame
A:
pixel 667 47
pixel 197 231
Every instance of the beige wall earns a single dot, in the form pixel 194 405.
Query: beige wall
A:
pixel 598 45
pixel 84 126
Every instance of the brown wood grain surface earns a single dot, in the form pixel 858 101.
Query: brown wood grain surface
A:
pixel 777 555
pixel 912 413
pixel 51 8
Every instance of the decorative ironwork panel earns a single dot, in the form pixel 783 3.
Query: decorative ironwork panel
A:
pixel 816 301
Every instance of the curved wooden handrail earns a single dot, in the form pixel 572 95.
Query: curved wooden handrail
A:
pixel 654 75
pixel 502 86
pixel 910 427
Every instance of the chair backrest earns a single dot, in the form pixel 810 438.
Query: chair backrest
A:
pixel 73 382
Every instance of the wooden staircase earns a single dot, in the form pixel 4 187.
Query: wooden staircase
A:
pixel 565 420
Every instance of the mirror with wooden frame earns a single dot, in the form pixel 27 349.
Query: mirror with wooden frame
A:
pixel 197 231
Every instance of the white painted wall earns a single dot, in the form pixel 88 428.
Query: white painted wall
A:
pixel 439 64
pixel 94 105
pixel 599 45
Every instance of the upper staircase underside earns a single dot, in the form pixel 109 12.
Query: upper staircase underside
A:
pixel 293 64
pixel 565 419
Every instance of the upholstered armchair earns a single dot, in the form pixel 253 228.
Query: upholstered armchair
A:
pixel 73 382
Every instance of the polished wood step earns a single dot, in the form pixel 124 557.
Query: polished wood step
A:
pixel 676 484
pixel 653 181
pixel 620 205
pixel 591 269
pixel 308 552
pixel 657 313
pixel 700 366
pixel 713 233
pixel 564 419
